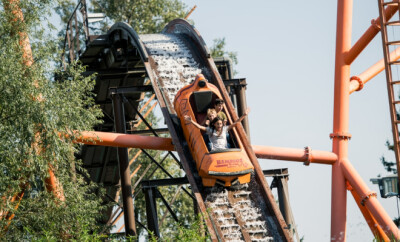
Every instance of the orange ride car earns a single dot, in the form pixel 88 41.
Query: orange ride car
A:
pixel 225 167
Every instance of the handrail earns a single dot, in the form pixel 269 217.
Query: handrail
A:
pixel 69 37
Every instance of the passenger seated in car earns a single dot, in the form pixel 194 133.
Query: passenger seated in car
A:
pixel 218 106
pixel 217 131
pixel 211 115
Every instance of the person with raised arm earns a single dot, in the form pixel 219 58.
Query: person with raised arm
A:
pixel 217 131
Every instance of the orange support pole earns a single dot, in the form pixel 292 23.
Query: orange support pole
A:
pixel 13 6
pixel 125 140
pixel 53 186
pixel 190 12
pixel 369 201
pixel 147 103
pixel 135 171
pixel 135 157
pixel 369 34
pixel 357 82
pixel 147 113
pixel 340 134
pixel 8 215
pixel 371 221
pixel 305 155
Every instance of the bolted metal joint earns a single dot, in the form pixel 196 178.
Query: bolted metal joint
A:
pixel 340 135
pixel 307 151
pixel 375 24
pixel 360 82
pixel 371 194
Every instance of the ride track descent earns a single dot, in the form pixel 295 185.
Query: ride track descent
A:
pixel 170 61
pixel 249 214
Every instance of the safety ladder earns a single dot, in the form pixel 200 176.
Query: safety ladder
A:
pixel 390 62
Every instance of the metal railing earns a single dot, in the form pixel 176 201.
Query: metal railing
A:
pixel 77 24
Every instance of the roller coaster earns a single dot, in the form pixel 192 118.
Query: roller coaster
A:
pixel 130 65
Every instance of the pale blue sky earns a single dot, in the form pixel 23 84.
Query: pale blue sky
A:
pixel 286 53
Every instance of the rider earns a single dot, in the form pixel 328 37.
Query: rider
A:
pixel 217 131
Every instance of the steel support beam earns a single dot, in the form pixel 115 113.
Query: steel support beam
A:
pixel 151 210
pixel 151 192
pixel 237 92
pixel 357 82
pixel 340 136
pixel 148 132
pixel 165 182
pixel 369 34
pixel 124 170
pixel 131 90
pixel 278 175
pixel 240 91
pixel 306 155
pixel 125 140
pixel 281 177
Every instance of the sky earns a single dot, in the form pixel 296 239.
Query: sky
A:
pixel 286 53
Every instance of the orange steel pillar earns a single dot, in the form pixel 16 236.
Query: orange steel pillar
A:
pixel 376 229
pixel 340 134
pixel 370 202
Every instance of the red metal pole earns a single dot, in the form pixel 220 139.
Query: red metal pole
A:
pixel 371 221
pixel 340 134
pixel 290 154
pixel 369 34
pixel 357 82
pixel 369 200
pixel 53 186
pixel 125 140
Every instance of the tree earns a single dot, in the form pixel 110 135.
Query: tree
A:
pixel 144 16
pixel 389 165
pixel 218 50
pixel 39 119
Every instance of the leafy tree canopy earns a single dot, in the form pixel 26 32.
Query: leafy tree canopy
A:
pixel 143 15
pixel 36 112
pixel 218 50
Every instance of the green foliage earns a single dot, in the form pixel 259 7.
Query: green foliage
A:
pixel 388 165
pixel 218 50
pixel 64 9
pixel 36 112
pixel 194 232
pixel 143 15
